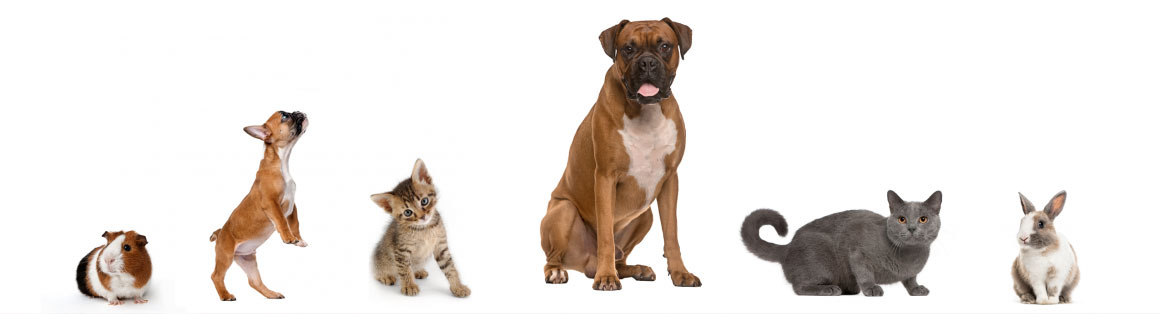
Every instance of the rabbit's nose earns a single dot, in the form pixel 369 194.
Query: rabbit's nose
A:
pixel 1024 239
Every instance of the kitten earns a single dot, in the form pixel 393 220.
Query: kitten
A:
pixel 854 250
pixel 414 235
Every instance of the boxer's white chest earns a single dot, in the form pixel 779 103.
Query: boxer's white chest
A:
pixel 648 139
pixel 288 186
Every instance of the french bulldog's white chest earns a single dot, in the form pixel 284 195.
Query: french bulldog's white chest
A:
pixel 288 186
pixel 648 139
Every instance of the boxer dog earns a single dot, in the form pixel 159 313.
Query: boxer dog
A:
pixel 623 157
pixel 269 207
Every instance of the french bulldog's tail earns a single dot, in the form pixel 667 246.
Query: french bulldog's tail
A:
pixel 752 238
pixel 213 237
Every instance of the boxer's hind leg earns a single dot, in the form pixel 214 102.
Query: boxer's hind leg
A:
pixel 566 240
pixel 627 239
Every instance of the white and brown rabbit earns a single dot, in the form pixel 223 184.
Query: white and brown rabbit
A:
pixel 120 269
pixel 1046 270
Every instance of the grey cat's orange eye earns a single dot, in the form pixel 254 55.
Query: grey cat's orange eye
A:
pixel 901 220
pixel 922 219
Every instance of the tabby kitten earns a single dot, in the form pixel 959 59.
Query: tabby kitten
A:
pixel 854 250
pixel 414 235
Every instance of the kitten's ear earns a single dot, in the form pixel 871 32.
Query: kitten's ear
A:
pixel 383 200
pixel 258 131
pixel 1026 203
pixel 895 201
pixel 419 173
pixel 934 202
pixel 1055 206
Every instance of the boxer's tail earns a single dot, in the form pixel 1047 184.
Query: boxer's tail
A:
pixel 213 237
pixel 752 238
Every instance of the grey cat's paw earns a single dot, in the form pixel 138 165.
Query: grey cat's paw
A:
pixel 872 291
pixel 920 291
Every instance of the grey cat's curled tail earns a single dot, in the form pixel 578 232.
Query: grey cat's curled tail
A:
pixel 752 238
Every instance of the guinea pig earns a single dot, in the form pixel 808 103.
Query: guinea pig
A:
pixel 120 269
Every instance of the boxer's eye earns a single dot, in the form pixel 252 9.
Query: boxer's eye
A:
pixel 407 213
pixel 628 50
pixel 665 48
pixel 424 201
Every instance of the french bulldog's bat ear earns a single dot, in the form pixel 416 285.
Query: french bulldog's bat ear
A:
pixel 1055 206
pixel 258 131
pixel 419 173
pixel 896 202
pixel 608 38
pixel 382 199
pixel 684 35
pixel 1026 203
pixel 934 202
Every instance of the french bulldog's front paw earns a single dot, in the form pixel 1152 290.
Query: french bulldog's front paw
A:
pixel 460 291
pixel 229 297
pixel 919 291
pixel 410 289
pixel 300 243
pixel 872 291
pixel 606 283
pixel 684 279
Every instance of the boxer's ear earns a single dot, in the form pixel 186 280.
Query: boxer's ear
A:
pixel 258 131
pixel 608 38
pixel 684 35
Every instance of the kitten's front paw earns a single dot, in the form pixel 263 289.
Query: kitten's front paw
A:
pixel 420 274
pixel 606 283
pixel 872 291
pixel 410 289
pixel 684 279
pixel 386 279
pixel 460 291
pixel 919 291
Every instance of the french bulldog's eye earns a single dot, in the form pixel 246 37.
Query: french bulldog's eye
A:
pixel 424 201
pixel 127 247
pixel 922 219
pixel 1041 224
pixel 901 220
pixel 408 213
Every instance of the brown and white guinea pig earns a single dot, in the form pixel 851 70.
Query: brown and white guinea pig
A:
pixel 120 269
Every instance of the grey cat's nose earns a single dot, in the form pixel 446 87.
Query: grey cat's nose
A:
pixel 912 229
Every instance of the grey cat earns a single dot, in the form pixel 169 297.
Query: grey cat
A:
pixel 854 250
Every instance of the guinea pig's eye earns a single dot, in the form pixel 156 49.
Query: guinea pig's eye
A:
pixel 901 220
pixel 126 247
pixel 408 213
pixel 1041 224
pixel 922 219
pixel 424 201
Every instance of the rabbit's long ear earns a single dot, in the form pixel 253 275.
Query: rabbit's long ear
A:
pixel 1027 206
pixel 1054 207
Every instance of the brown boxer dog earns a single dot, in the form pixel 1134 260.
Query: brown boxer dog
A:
pixel 623 157
pixel 269 207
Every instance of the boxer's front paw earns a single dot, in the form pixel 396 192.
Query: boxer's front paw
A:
pixel 555 275
pixel 606 283
pixel 684 279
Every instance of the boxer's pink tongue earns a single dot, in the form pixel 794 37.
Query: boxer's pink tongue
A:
pixel 648 90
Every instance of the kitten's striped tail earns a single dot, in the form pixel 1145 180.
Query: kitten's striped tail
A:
pixel 752 238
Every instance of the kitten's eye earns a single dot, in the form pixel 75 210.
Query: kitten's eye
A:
pixel 922 219
pixel 901 220
pixel 1041 224
pixel 408 213
pixel 127 247
pixel 424 201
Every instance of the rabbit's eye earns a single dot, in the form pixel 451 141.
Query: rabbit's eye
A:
pixel 1041 224
pixel 922 219
pixel 901 220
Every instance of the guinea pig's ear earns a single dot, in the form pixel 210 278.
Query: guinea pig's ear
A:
pixel 105 235
pixel 1055 206
pixel 141 241
pixel 896 202
pixel 258 131
pixel 934 202
pixel 1026 203
pixel 419 173
pixel 684 35
pixel 608 38
pixel 383 200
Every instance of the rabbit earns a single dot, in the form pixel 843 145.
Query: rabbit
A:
pixel 120 269
pixel 1046 270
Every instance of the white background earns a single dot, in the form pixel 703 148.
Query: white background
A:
pixel 129 115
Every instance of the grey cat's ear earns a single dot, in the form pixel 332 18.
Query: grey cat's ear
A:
pixel 1055 206
pixel 895 201
pixel 934 202
pixel 419 173
pixel 1026 203
pixel 383 200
